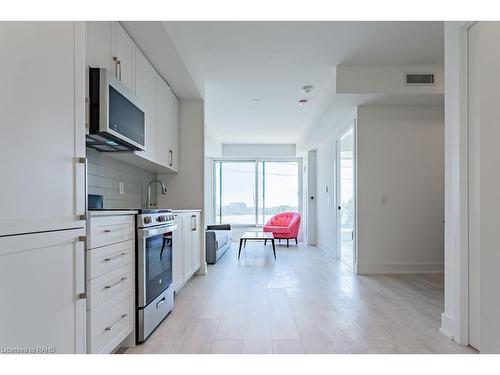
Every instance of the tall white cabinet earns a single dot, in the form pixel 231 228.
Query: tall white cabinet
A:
pixel 42 122
pixel 186 247
pixel 109 46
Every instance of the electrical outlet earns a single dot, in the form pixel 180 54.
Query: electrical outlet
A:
pixel 120 188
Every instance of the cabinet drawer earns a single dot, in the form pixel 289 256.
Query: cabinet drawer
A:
pixel 109 258
pixel 110 324
pixel 107 230
pixel 105 287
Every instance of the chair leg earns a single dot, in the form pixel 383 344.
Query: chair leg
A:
pixel 265 242
pixel 287 244
pixel 296 243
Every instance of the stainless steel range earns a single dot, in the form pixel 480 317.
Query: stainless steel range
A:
pixel 155 295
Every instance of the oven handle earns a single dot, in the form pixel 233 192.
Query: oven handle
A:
pixel 146 233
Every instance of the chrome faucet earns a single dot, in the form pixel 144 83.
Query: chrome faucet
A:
pixel 163 191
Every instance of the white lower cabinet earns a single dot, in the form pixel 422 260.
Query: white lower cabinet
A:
pixel 186 247
pixel 42 292
pixel 110 282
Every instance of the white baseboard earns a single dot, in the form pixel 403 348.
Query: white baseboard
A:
pixel 447 324
pixel 399 268
pixel 327 249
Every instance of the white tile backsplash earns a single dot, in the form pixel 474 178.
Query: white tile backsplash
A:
pixel 105 174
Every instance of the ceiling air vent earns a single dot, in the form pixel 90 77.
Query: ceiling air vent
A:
pixel 420 79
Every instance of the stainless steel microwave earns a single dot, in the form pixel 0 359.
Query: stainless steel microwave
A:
pixel 116 116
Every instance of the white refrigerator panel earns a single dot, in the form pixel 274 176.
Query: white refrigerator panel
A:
pixel 42 126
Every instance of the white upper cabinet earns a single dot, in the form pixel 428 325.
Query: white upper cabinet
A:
pixel 109 46
pixel 174 135
pixel 163 122
pixel 145 81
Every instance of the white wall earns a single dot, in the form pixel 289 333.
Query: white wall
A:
pixel 213 147
pixel 231 150
pixel 400 179
pixel 386 79
pixel 326 224
pixel 185 188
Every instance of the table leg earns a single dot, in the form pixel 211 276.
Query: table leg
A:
pixel 239 252
pixel 274 249
pixel 245 243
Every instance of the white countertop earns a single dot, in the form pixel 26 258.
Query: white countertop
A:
pixel 112 212
pixel 181 211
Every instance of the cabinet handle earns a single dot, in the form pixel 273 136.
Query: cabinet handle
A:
pixel 193 220
pixel 107 230
pixel 119 64
pixel 115 59
pixel 115 257
pixel 83 295
pixel 171 157
pixel 111 327
pixel 116 284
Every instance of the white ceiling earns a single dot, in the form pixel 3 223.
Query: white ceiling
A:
pixel 234 62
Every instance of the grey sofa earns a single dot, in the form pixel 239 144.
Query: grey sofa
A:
pixel 218 240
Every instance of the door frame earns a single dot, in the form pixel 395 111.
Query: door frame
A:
pixel 338 195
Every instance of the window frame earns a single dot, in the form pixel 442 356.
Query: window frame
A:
pixel 297 160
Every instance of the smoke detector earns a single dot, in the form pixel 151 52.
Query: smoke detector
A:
pixel 307 89
pixel 303 102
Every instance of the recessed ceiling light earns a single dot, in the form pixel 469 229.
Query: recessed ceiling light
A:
pixel 255 100
pixel 307 89
pixel 303 102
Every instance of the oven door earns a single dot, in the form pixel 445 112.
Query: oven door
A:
pixel 154 263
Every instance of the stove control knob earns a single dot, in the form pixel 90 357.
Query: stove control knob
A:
pixel 161 218
pixel 147 220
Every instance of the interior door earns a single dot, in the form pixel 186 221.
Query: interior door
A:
pixel 345 197
pixel 42 276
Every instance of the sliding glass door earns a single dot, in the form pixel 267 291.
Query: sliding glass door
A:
pixel 251 192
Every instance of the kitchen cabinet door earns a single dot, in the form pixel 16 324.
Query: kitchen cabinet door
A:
pixel 124 53
pixel 195 242
pixel 178 253
pixel 175 133
pixel 109 46
pixel 42 276
pixel 42 126
pixel 187 229
pixel 162 122
pixel 145 77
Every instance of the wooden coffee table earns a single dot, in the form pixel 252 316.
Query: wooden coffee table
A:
pixel 257 236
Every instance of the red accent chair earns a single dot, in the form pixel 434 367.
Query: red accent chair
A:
pixel 284 226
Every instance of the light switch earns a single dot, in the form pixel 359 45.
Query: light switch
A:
pixel 120 188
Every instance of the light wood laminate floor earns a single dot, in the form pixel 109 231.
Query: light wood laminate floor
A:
pixel 305 302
